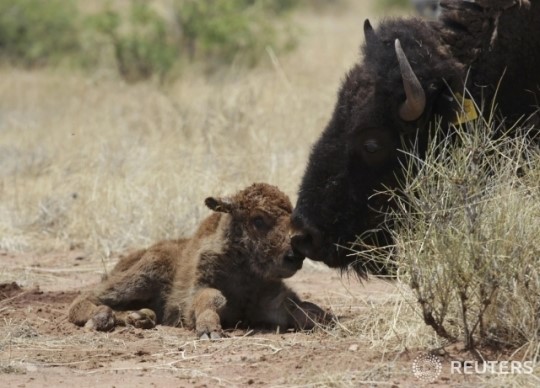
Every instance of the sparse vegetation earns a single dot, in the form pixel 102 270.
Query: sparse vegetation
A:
pixel 390 4
pixel 37 33
pixel 112 171
pixel 467 240
pixel 141 42
pixel 225 31
pixel 145 39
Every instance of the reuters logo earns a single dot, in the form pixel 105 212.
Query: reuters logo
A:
pixel 427 367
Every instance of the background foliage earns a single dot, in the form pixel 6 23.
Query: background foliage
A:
pixel 145 38
pixel 35 33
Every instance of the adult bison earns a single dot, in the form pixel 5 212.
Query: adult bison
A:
pixel 411 77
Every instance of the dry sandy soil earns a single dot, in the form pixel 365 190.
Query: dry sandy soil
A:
pixel 39 347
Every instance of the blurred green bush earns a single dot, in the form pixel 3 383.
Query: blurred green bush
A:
pixel 36 33
pixel 226 30
pixel 145 40
pixel 141 43
pixel 387 4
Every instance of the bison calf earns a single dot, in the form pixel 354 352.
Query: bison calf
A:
pixel 230 271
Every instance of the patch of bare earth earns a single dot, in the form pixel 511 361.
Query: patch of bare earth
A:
pixel 39 347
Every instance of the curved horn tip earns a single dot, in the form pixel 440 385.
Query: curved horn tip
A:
pixel 397 45
pixel 369 33
pixel 367 25
pixel 415 102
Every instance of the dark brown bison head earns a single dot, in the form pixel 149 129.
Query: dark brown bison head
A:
pixel 387 103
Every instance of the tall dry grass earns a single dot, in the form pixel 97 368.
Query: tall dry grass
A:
pixel 91 163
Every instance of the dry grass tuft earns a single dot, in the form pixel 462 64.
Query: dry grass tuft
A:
pixel 468 242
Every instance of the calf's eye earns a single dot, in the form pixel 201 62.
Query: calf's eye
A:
pixel 258 222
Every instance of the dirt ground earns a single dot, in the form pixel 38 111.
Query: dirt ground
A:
pixel 39 347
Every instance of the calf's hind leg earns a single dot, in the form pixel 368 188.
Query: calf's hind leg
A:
pixel 140 285
pixel 88 312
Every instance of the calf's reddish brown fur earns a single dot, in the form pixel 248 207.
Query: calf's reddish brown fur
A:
pixel 229 272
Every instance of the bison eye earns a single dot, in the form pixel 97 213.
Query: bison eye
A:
pixel 371 146
pixel 375 147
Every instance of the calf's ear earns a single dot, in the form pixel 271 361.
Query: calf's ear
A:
pixel 223 205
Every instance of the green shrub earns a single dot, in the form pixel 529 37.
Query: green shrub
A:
pixel 221 31
pixel 37 32
pixel 388 4
pixel 142 42
pixel 211 32
pixel 142 46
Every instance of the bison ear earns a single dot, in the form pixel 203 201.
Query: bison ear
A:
pixel 223 205
pixel 369 33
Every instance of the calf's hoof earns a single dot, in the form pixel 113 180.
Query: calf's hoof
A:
pixel 142 319
pixel 103 320
pixel 308 315
pixel 208 325
pixel 213 335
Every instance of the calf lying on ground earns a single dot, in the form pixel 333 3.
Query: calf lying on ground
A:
pixel 230 271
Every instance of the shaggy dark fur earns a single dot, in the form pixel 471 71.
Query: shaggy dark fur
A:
pixel 500 41
pixel 357 154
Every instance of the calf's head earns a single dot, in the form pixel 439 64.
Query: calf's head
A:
pixel 259 230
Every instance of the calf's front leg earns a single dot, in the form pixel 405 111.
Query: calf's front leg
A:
pixel 306 315
pixel 207 304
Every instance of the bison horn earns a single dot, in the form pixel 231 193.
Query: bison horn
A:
pixel 369 33
pixel 415 101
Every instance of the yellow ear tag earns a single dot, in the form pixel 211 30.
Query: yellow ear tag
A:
pixel 468 113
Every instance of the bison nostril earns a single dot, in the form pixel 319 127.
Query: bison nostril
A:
pixel 294 256
pixel 293 260
pixel 303 244
pixel 305 238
